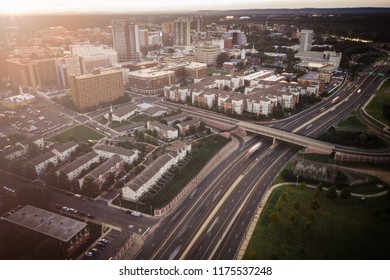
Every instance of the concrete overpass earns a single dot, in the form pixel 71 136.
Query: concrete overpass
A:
pixel 290 137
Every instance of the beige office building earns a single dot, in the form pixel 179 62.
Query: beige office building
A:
pixel 98 87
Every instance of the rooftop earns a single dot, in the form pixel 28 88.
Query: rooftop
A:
pixel 78 162
pixel 48 223
pixel 42 158
pixel 114 150
pixel 64 147
pixel 148 172
pixel 124 110
pixel 105 167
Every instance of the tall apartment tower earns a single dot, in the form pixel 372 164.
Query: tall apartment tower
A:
pixel 182 31
pixel 199 23
pixel 92 89
pixel 125 36
pixel 306 40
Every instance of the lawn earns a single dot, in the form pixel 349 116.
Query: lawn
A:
pixel 351 122
pixel 201 155
pixel 340 229
pixel 79 133
pixel 375 107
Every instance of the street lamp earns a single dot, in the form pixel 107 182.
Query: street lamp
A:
pixel 296 185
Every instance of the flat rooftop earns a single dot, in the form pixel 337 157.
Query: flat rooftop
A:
pixel 47 223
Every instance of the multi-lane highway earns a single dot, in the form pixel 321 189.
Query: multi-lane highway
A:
pixel 212 221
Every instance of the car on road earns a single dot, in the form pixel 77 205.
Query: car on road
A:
pixel 88 254
pixel 131 226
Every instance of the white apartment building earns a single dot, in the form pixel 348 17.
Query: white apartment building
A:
pixel 134 189
pixel 74 168
pixel 41 162
pixel 107 151
pixel 64 151
pixel 165 132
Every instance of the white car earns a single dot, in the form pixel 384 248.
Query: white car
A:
pixel 131 226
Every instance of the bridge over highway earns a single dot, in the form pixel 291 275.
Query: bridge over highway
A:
pixel 290 137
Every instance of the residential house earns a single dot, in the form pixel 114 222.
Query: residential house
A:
pixel 165 132
pixel 41 162
pixel 100 173
pixel 108 151
pixel 64 151
pixel 73 169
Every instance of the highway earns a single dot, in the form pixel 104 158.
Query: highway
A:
pixel 211 223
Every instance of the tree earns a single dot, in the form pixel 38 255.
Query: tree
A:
pixel 297 205
pixel 119 184
pixel 240 65
pixel 63 181
pixel 29 171
pixel 110 178
pixel 192 129
pixel 332 193
pixel 90 188
pixel 16 166
pixel 51 179
pixel 386 111
pixel 308 226
pixel 291 217
pixel 33 149
pixel 222 58
pixel 345 193
pixel 320 187
pixel 315 205
pixel 311 216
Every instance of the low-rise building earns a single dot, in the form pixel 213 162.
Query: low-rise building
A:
pixel 69 233
pixel 18 101
pixel 179 149
pixel 73 169
pixel 154 112
pixel 135 188
pixel 120 114
pixel 100 173
pixel 150 81
pixel 107 151
pixel 41 162
pixel 64 151
pixel 180 117
pixel 185 126
pixel 165 132
pixel 16 151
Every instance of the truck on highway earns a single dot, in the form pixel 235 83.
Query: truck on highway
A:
pixel 252 149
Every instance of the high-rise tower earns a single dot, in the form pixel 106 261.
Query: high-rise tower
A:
pixel 306 40
pixel 125 36
pixel 182 32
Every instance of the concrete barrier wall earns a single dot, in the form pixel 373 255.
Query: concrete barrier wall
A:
pixel 361 158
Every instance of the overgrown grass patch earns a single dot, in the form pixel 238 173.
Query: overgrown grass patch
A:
pixel 341 229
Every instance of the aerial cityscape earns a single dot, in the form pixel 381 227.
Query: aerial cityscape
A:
pixel 259 130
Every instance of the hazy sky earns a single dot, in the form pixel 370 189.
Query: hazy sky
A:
pixel 22 6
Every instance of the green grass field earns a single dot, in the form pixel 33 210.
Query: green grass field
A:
pixel 340 229
pixel 375 107
pixel 351 122
pixel 79 133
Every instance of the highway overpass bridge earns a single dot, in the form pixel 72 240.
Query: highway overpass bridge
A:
pixel 290 137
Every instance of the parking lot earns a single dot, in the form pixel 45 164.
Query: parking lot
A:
pixel 34 119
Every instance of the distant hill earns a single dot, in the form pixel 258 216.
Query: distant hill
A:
pixel 298 11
